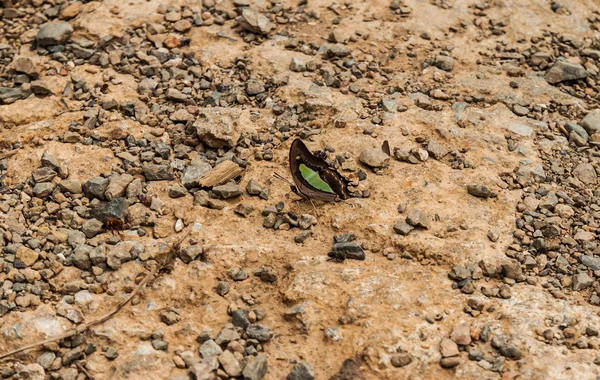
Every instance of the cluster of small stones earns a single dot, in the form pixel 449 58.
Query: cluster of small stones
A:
pixel 465 278
pixel 555 54
pixel 345 247
pixel 59 219
pixel 62 360
pixel 557 219
pixel 555 240
pixel 233 353
pixel 480 344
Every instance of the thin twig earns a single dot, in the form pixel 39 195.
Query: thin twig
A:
pixel 9 154
pixel 86 326
pixel 85 372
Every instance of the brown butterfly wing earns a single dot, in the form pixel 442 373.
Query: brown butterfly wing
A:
pixel 299 154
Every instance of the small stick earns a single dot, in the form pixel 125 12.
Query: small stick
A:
pixel 314 208
pixel 221 174
pixel 7 155
pixel 86 373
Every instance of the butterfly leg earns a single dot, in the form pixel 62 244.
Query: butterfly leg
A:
pixel 313 204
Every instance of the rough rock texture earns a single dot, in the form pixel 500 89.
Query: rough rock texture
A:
pixel 477 245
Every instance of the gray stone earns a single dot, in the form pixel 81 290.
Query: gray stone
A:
pixel 306 221
pixel 243 210
pixel 520 129
pixel 297 65
pixel 95 187
pixel 54 33
pixel 259 332
pixel 581 131
pixel 160 345
pixel 512 269
pixel 254 87
pixel 46 359
pixel 177 192
pixel 585 173
pixel 193 172
pixel 480 191
pixel 349 250
pixel 436 150
pixel 73 355
pixel 225 336
pixel 400 359
pixel 176 95
pixel 190 253
pixel 403 228
pixel 9 95
pixel 526 174
pixel 301 371
pixel 582 281
pixel 563 71
pixel 256 369
pixel 43 189
pixel 337 50
pixel 255 22
pixel 117 186
pixel 374 157
pixel 591 262
pixel 450 362
pixel 228 190
pixel 43 174
pixel 154 172
pixel 81 257
pixel 201 198
pixel 169 318
pixel 389 104
pixel 520 110
pixel 459 273
pixel 506 348
pixel 333 334
pixel 211 349
pixel 147 85
pixel 134 189
pixel 461 334
pixel 111 353
pixel 549 201
pixel 230 364
pixel 218 127
pixel 222 288
pixel 200 371
pixel 111 211
pixel 98 255
pixel 239 318
pixel 591 122
pixel 70 186
pixel 577 139
pixel 448 348
pixel 417 218
pixel 444 62
pixel 49 161
pixel 253 187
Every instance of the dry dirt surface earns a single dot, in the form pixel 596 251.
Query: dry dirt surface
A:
pixel 138 146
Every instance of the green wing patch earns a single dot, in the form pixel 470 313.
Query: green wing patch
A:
pixel 313 179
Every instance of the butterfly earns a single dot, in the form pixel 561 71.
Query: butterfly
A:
pixel 313 177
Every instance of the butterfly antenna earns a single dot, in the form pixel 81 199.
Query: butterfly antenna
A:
pixel 282 178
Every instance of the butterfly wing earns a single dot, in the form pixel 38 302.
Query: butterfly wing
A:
pixel 386 148
pixel 301 170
